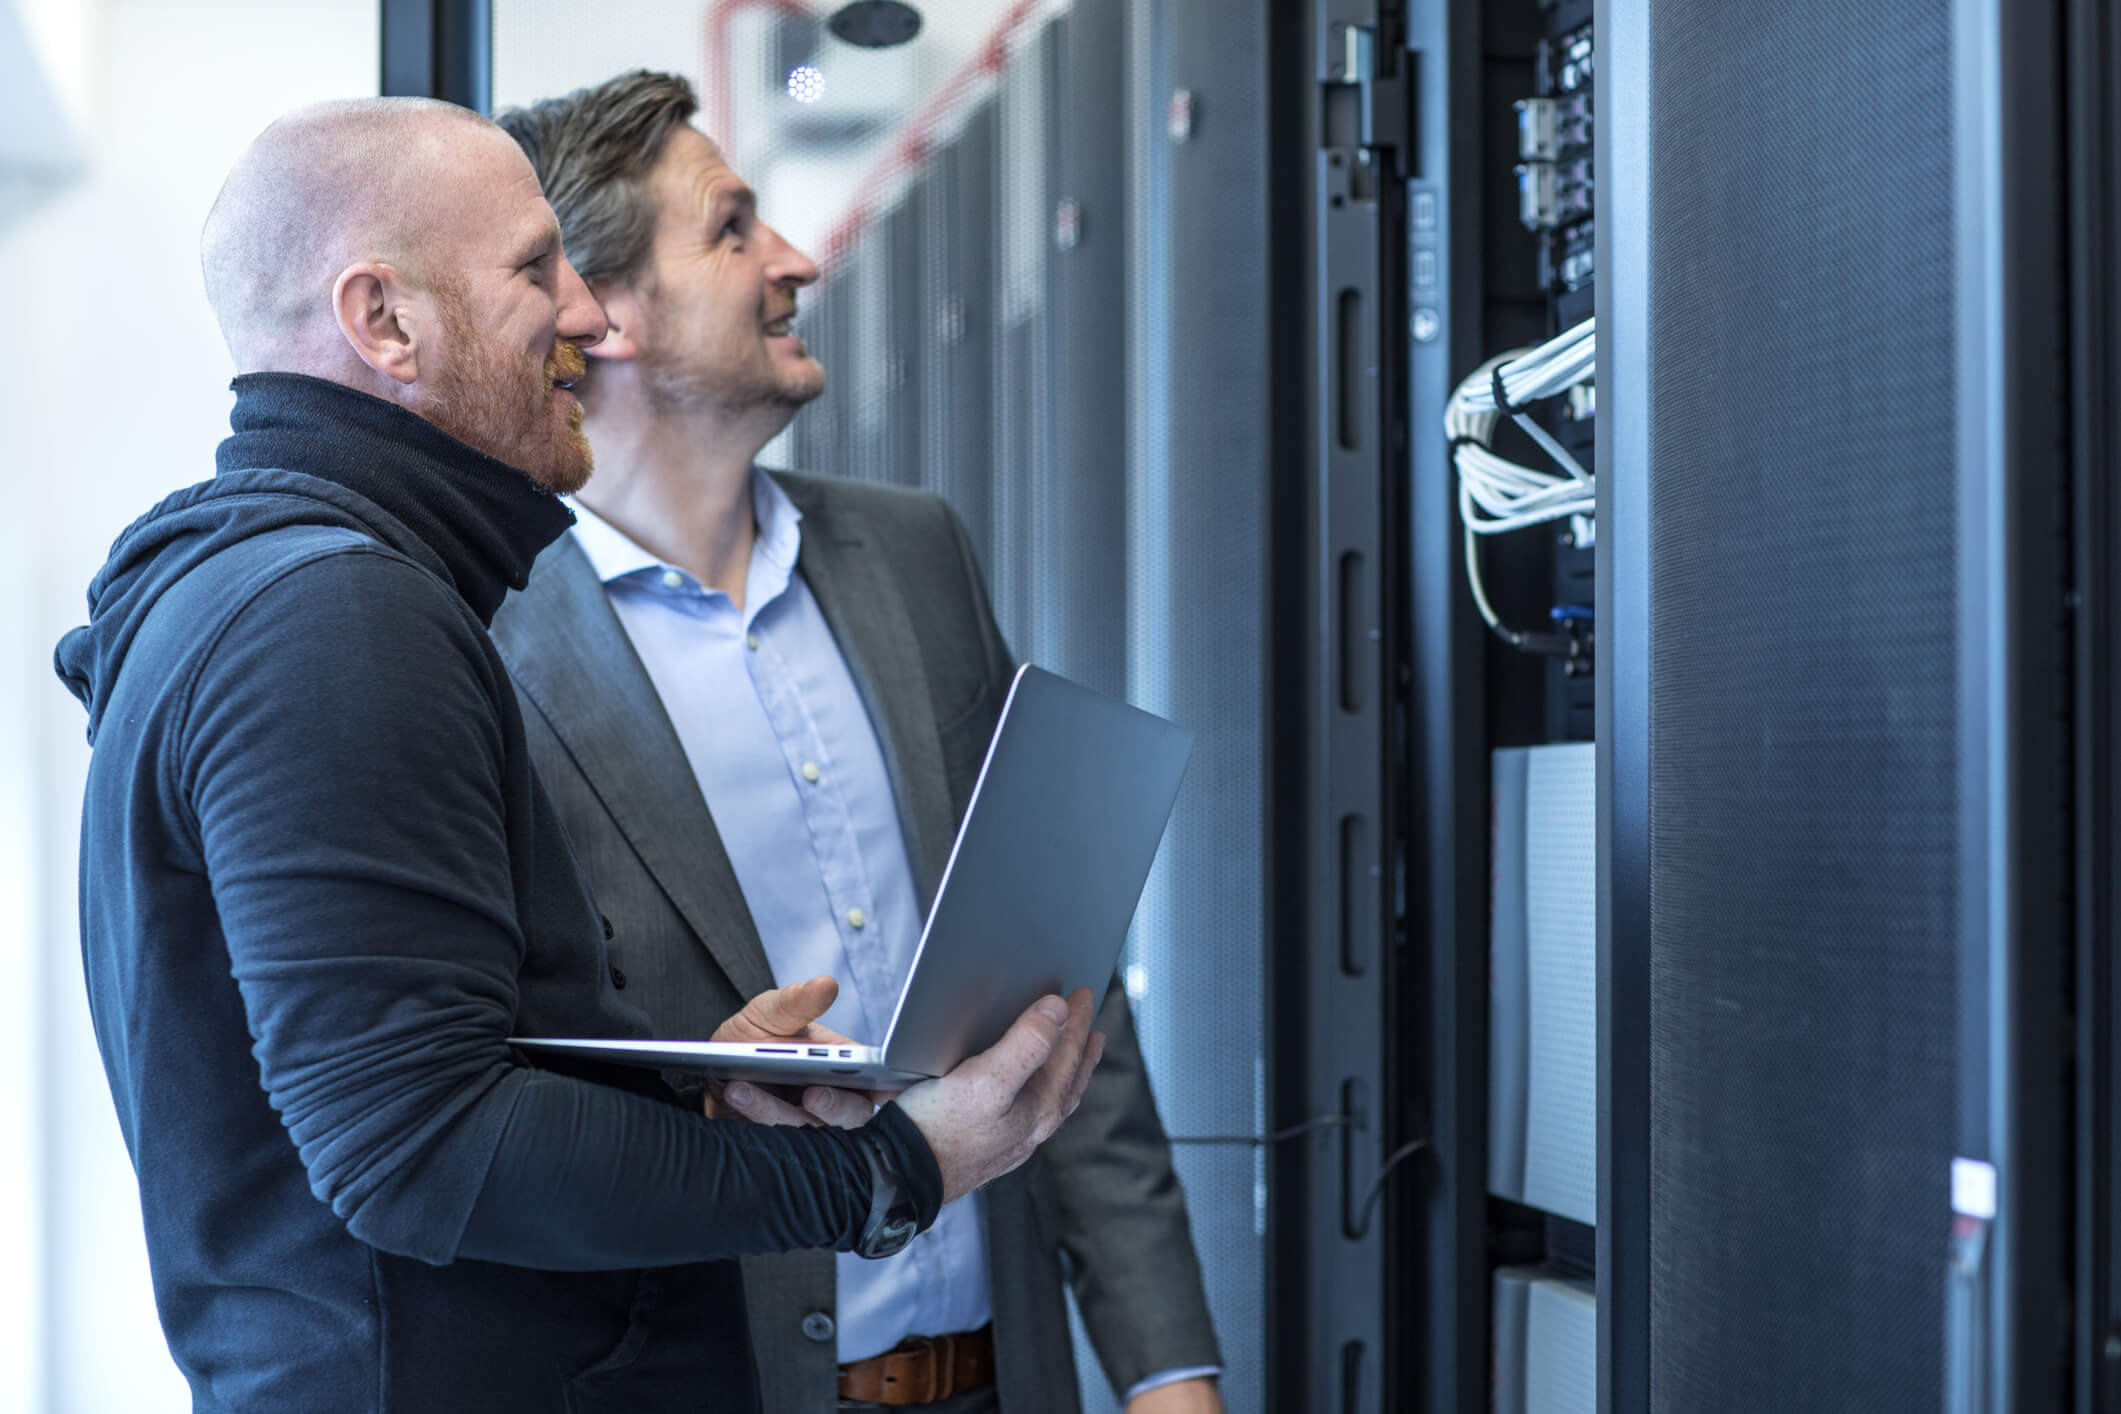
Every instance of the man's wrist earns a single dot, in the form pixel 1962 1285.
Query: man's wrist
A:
pixel 891 1223
pixel 906 1186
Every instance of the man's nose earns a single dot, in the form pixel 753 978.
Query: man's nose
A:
pixel 581 318
pixel 788 266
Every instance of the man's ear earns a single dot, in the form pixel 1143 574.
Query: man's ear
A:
pixel 387 324
pixel 622 318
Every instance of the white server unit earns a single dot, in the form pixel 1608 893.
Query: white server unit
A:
pixel 1561 1347
pixel 1543 998
pixel 1513 1301
pixel 1545 1350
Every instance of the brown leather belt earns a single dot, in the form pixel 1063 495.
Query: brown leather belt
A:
pixel 923 1369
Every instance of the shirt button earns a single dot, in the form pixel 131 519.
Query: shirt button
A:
pixel 818 1326
pixel 856 918
pixel 618 978
pixel 810 772
pixel 751 641
pixel 672 579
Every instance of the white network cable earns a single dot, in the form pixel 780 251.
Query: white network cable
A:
pixel 1496 494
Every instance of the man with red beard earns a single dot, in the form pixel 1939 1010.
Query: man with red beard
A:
pixel 322 887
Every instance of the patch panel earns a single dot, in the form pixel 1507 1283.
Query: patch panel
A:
pixel 1566 63
pixel 1567 261
pixel 1554 194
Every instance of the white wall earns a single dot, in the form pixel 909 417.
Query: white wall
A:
pixel 114 392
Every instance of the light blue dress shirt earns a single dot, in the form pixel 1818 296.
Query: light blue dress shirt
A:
pixel 789 764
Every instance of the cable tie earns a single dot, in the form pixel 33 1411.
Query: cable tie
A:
pixel 1502 397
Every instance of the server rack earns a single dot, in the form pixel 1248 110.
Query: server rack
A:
pixel 1483 273
pixel 902 314
pixel 2092 44
pixel 957 322
pixel 1930 1263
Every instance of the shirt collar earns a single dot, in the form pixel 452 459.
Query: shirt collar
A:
pixel 614 554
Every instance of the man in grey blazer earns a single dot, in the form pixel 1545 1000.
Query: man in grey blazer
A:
pixel 760 703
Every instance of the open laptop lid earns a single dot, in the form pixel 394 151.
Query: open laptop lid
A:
pixel 1056 843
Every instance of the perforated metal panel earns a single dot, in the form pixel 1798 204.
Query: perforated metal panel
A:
pixel 958 282
pixel 1802 722
pixel 1197 648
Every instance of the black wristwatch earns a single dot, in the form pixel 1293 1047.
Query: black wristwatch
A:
pixel 893 1218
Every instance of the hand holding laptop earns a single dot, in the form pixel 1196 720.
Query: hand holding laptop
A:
pixel 991 1111
pixel 790 1014
pixel 982 1119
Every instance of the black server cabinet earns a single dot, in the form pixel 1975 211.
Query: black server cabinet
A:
pixel 904 368
pixel 2091 48
pixel 956 325
pixel 1456 229
pixel 1083 503
pixel 1023 367
pixel 1835 735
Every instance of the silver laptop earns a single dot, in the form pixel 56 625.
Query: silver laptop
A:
pixel 1049 864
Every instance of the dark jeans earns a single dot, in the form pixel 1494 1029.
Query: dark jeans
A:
pixel 977 1401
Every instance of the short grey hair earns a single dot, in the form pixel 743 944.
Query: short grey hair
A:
pixel 593 151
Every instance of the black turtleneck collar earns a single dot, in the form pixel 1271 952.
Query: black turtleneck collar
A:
pixel 483 519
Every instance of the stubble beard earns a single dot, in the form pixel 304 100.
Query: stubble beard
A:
pixel 500 402
pixel 674 387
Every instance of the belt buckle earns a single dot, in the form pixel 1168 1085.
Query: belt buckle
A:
pixel 925 1352
pixel 944 1351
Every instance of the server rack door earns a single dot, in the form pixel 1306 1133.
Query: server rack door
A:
pixel 2006 1336
pixel 1831 730
pixel 957 280
pixel 1022 368
pixel 863 280
pixel 2092 44
pixel 904 379
pixel 1337 770
pixel 1085 501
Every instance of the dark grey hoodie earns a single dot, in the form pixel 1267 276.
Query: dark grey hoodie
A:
pixel 320 889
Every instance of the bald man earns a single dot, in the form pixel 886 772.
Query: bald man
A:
pixel 321 886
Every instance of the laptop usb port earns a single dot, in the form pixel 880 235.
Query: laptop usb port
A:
pixel 821 1050
pixel 846 1054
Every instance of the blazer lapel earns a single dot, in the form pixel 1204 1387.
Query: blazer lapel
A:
pixel 860 600
pixel 577 665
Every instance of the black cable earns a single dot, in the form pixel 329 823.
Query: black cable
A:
pixel 1321 1122
pixel 1377 1187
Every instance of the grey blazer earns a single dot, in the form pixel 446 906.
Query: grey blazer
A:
pixel 894 575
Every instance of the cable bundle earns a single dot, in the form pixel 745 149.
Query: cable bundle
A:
pixel 1496 494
